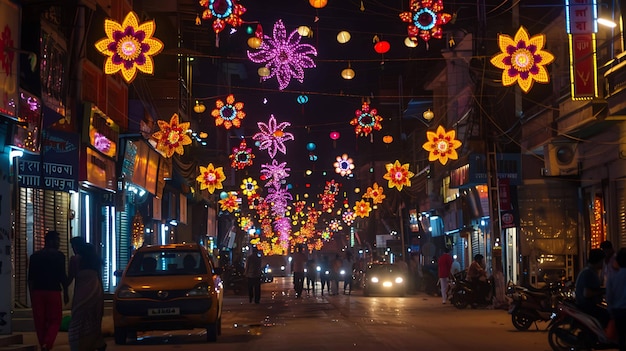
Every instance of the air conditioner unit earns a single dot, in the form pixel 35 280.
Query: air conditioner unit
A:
pixel 561 159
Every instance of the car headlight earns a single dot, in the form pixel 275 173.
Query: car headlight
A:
pixel 199 290
pixel 126 292
pixel 374 280
pixel 399 280
pixel 269 270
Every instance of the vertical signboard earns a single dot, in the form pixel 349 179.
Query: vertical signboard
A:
pixel 581 21
pixel 9 42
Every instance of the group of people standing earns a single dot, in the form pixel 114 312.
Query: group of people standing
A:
pixel 305 273
pixel 605 277
pixel 49 290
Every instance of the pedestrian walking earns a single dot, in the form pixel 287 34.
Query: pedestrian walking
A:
pixel 325 274
pixel 444 269
pixel 298 263
pixel 47 278
pixel 311 275
pixel 85 269
pixel 253 272
pixel 616 298
pixel 348 267
pixel 335 270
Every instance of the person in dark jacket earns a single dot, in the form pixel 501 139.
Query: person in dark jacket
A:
pixel 47 278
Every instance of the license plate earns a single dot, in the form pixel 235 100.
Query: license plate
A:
pixel 169 311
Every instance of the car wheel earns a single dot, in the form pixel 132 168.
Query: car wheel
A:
pixel 211 332
pixel 120 336
pixel 219 326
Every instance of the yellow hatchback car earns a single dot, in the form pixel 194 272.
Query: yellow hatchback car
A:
pixel 168 287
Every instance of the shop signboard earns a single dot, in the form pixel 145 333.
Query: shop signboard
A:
pixel 56 167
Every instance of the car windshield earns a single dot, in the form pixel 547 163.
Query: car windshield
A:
pixel 166 262
pixel 383 269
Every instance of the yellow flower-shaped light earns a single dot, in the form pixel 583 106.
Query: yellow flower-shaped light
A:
pixel 522 59
pixel 228 114
pixel 229 203
pixel 249 187
pixel 375 193
pixel 211 178
pixel 398 175
pixel 172 136
pixel 441 145
pixel 129 46
pixel 362 209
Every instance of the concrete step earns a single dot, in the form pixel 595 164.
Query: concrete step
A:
pixel 14 342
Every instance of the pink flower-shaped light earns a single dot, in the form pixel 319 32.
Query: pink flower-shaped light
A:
pixel 272 136
pixel 284 56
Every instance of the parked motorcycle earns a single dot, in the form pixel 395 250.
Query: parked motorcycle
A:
pixel 464 293
pixel 572 329
pixel 531 304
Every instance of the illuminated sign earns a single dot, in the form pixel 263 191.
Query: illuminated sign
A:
pixel 103 132
pixel 581 18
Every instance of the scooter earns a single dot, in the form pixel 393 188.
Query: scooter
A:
pixel 530 305
pixel 572 329
pixel 463 293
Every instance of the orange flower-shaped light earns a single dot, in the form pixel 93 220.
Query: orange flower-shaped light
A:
pixel 228 114
pixel 229 203
pixel 362 209
pixel 129 46
pixel 522 59
pixel 211 178
pixel 172 136
pixel 398 175
pixel 442 145
pixel 375 193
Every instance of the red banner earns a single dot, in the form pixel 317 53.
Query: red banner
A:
pixel 583 70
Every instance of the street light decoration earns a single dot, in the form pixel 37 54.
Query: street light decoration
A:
pixel 211 178
pixel 222 12
pixel 229 113
pixel 348 217
pixel 441 145
pixel 366 120
pixel 344 165
pixel 230 203
pixel 249 186
pixel 172 136
pixel 332 187
pixel 129 46
pixel 362 209
pixel 242 156
pixel 398 175
pixel 284 56
pixel 522 59
pixel 272 136
pixel 425 18
pixel 375 193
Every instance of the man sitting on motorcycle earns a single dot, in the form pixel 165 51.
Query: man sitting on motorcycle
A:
pixel 589 291
pixel 477 275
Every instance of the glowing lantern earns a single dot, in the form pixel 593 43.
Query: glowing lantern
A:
pixel 334 135
pixel 382 47
pixel 302 99
pixel 428 115
pixel 343 37
pixel 254 42
pixel 387 139
pixel 263 71
pixel 410 42
pixel 199 107
pixel 318 4
pixel 348 73
pixel 304 31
